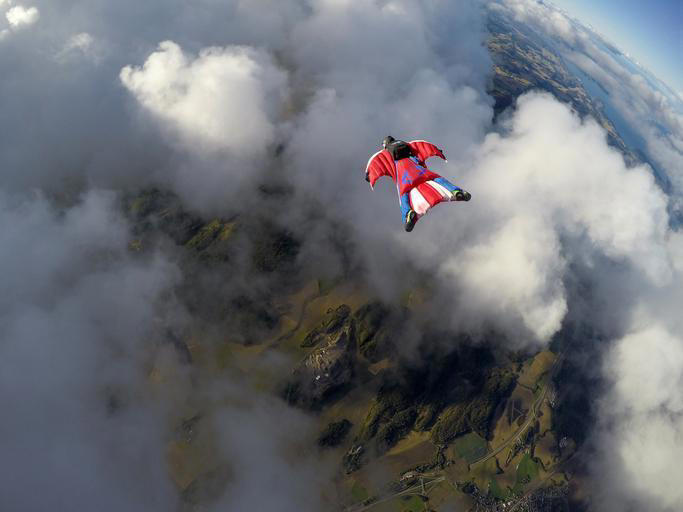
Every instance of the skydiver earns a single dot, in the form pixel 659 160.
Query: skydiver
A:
pixel 419 188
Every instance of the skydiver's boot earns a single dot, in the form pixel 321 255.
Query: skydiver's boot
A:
pixel 411 219
pixel 462 195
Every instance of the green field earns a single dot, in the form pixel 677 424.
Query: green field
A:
pixel 470 447
pixel 412 504
pixel 359 493
pixel 495 490
pixel 527 471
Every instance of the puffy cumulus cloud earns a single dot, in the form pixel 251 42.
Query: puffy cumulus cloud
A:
pixel 634 357
pixel 19 16
pixel 650 448
pixel 103 142
pixel 224 99
pixel 518 271
pixel 592 190
pixel 219 110
pixel 641 436
pixel 75 323
pixel 539 189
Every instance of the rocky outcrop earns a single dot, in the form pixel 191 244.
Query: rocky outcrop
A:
pixel 373 334
pixel 334 433
pixel 327 370
pixel 333 322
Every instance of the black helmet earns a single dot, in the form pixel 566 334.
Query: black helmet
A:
pixel 387 140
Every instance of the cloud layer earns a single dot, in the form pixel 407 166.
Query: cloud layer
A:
pixel 553 177
pixel 647 111
pixel 75 333
pixel 640 422
pixel 213 98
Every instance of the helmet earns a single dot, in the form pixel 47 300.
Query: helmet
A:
pixel 387 140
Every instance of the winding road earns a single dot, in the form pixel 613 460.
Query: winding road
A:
pixel 436 478
pixel 426 483
pixel 535 408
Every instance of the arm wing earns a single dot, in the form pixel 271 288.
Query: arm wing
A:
pixel 380 164
pixel 424 150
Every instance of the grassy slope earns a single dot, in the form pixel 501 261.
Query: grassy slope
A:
pixel 191 463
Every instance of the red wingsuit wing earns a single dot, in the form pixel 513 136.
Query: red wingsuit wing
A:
pixel 424 150
pixel 380 164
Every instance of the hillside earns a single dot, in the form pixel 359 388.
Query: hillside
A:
pixel 463 422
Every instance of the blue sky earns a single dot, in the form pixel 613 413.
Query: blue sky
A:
pixel 651 32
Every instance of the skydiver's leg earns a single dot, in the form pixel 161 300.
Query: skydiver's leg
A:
pixel 447 184
pixel 405 206
pixel 408 215
pixel 457 194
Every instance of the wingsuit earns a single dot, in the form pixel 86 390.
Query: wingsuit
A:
pixel 419 189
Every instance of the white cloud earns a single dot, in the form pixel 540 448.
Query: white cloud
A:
pixel 76 327
pixel 546 191
pixel 637 386
pixel 263 452
pixel 648 111
pixel 81 45
pixel 19 16
pixel 640 417
pixel 220 103
pixel 223 99
pixel 551 19
pixel 518 270
pixel 551 178
pixel 82 42
pixel 642 433
pixel 650 447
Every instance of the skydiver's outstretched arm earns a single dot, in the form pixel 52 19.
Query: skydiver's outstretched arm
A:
pixel 380 164
pixel 424 150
